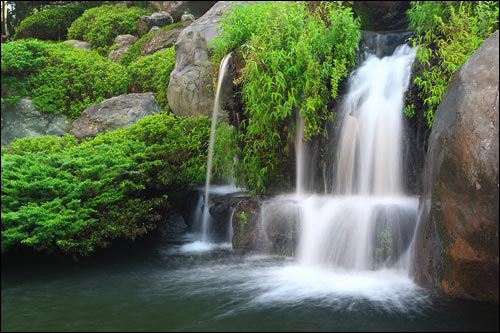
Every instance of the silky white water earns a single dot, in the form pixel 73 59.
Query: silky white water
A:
pixel 205 217
pixel 367 223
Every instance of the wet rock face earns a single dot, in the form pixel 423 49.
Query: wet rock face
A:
pixel 248 234
pixel 281 224
pixel 190 90
pixel 381 44
pixel 22 119
pixel 122 44
pixel 113 113
pixel 456 247
pixel 384 15
pixel 221 211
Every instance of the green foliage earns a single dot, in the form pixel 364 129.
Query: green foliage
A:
pixel 134 52
pixel 244 217
pixel 295 56
pixel 410 110
pixel 47 144
pixel 74 79
pixel 152 73
pixel 53 23
pixel 447 33
pixel 61 196
pixel 99 26
pixel 19 59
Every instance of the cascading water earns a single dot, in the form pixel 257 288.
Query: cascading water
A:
pixel 206 217
pixel 367 223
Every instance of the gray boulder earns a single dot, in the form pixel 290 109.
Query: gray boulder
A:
pixel 161 40
pixel 22 119
pixel 456 245
pixel 113 113
pixel 190 91
pixel 178 8
pixel 79 44
pixel 160 19
pixel 122 44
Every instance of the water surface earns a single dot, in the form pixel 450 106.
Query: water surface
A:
pixel 164 286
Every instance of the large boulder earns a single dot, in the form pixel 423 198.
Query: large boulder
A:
pixel 113 113
pixel 22 119
pixel 456 247
pixel 145 23
pixel 190 91
pixel 161 40
pixel 120 46
pixel 178 8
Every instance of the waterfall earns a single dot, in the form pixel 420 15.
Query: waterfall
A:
pixel 206 218
pixel 367 223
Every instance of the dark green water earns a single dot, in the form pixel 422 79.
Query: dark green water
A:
pixel 158 287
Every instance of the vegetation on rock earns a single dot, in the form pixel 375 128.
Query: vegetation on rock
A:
pixel 99 26
pixel 53 23
pixel 74 79
pixel 134 52
pixel 152 73
pixel 447 33
pixel 295 55
pixel 58 195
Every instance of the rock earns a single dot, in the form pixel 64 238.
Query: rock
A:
pixel 145 23
pixel 155 28
pixel 161 40
pixel 190 91
pixel 187 18
pixel 122 44
pixel 22 119
pixel 383 15
pixel 381 44
pixel 456 247
pixel 113 113
pixel 178 8
pixel 248 233
pixel 221 211
pixel 79 44
pixel 174 224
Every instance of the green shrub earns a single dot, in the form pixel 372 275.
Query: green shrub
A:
pixel 53 23
pixel 447 33
pixel 295 55
pixel 133 53
pixel 19 59
pixel 47 144
pixel 152 73
pixel 99 26
pixel 74 79
pixel 74 198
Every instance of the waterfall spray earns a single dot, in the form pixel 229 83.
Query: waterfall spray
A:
pixel 205 218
